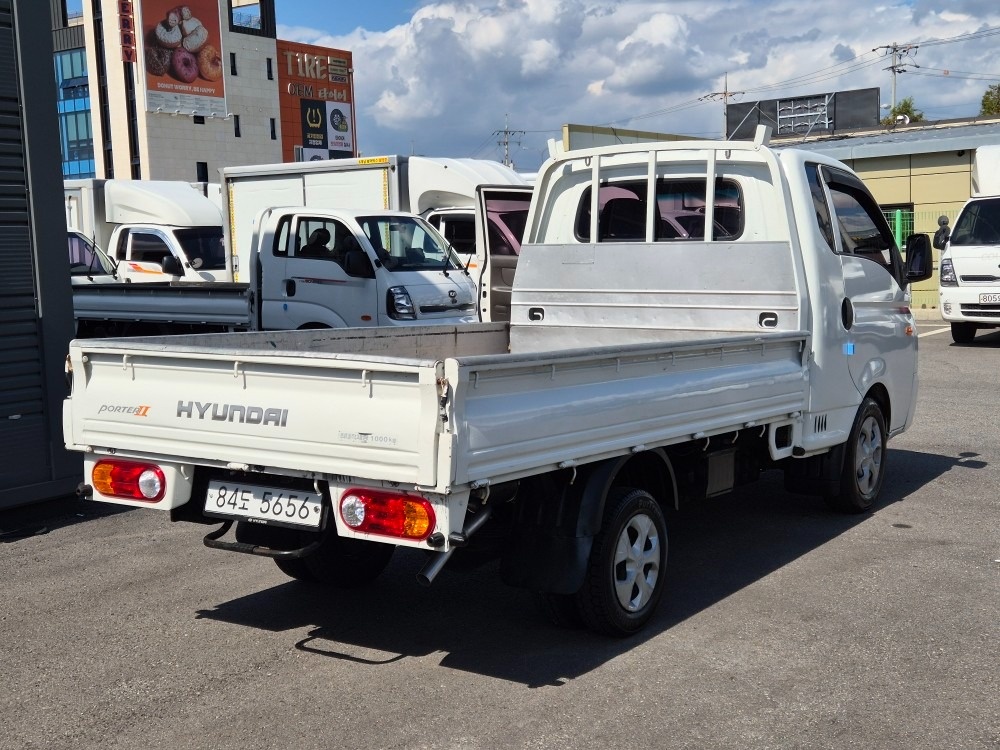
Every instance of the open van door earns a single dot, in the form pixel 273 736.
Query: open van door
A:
pixel 501 215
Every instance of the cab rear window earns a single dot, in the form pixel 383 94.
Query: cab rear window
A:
pixel 679 213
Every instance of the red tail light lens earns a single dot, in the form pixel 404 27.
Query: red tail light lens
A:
pixel 395 514
pixel 129 479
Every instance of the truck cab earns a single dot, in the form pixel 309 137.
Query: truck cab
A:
pixel 319 268
pixel 969 278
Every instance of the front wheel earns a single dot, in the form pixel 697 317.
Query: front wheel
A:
pixel 963 333
pixel 625 574
pixel 864 461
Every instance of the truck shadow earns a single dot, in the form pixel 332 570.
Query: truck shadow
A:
pixel 469 621
pixel 40 518
pixel 984 339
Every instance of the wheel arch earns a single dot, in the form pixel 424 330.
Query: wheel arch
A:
pixel 650 470
pixel 880 395
pixel 560 513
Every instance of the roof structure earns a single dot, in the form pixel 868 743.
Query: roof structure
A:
pixel 915 138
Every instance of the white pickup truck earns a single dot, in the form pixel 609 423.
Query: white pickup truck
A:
pixel 310 268
pixel 640 370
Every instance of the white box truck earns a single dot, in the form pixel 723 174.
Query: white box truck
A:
pixel 154 230
pixel 640 369
pixel 446 192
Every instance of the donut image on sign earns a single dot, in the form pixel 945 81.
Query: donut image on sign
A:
pixel 178 46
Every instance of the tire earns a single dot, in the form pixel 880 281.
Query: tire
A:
pixel 963 333
pixel 864 462
pixel 339 562
pixel 628 561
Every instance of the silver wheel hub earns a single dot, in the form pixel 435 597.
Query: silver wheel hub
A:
pixel 868 456
pixel 637 562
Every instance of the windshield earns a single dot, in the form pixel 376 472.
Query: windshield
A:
pixel 407 243
pixel 203 247
pixel 979 224
pixel 86 259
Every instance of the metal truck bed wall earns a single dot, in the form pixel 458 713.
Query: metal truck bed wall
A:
pixel 218 303
pixel 371 404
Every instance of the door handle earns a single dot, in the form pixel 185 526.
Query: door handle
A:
pixel 847 313
pixel 289 287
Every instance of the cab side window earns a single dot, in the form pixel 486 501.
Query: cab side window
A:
pixel 147 248
pixel 320 239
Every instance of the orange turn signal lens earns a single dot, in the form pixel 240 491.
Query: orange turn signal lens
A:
pixel 129 479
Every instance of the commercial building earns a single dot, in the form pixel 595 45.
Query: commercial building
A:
pixel 153 89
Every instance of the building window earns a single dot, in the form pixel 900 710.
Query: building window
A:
pixel 201 168
pixel 76 137
pixel 199 119
pixel 270 70
pixel 232 63
pixel 236 125
pixel 274 129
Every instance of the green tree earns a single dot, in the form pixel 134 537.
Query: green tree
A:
pixel 991 101
pixel 905 107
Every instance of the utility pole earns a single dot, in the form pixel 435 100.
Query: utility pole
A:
pixel 725 95
pixel 898 66
pixel 505 138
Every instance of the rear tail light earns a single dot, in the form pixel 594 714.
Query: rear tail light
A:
pixel 395 514
pixel 129 479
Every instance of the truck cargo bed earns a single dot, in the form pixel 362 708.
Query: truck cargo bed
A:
pixel 432 407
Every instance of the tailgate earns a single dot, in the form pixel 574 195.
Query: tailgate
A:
pixel 374 420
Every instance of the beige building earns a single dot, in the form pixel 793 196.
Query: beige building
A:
pixel 158 115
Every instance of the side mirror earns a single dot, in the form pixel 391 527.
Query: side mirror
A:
pixel 942 234
pixel 356 264
pixel 171 265
pixel 919 258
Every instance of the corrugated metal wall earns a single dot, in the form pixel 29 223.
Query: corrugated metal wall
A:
pixel 35 300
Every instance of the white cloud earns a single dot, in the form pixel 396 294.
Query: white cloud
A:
pixel 445 80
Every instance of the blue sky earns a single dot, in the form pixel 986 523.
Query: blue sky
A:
pixel 341 17
pixel 442 77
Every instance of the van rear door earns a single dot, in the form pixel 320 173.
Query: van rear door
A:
pixel 501 215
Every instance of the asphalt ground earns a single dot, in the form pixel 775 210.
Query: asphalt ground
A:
pixel 784 625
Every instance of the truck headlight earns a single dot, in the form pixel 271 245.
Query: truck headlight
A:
pixel 947 273
pixel 398 304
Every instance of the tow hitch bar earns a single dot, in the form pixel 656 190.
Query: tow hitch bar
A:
pixel 214 540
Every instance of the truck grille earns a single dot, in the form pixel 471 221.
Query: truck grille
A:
pixel 979 278
pixel 982 311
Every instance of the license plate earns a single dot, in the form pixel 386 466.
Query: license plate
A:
pixel 271 504
pixel 989 299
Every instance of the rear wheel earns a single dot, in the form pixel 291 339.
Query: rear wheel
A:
pixel 625 574
pixel 963 333
pixel 864 461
